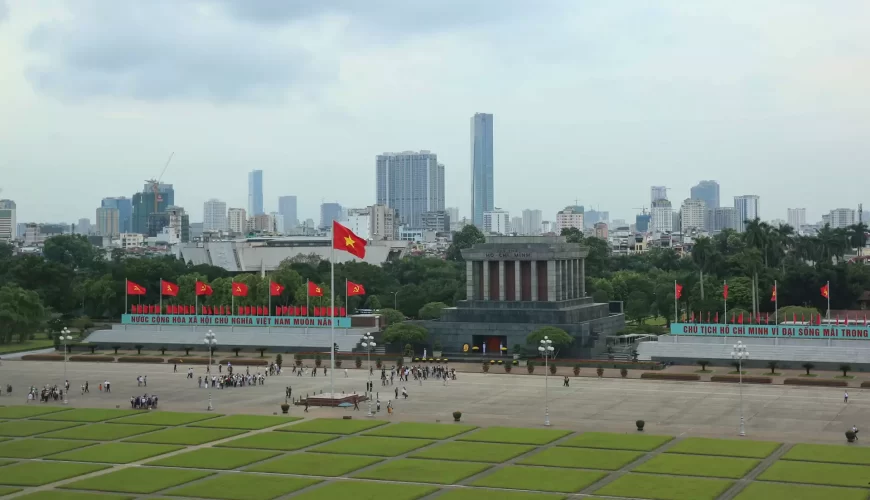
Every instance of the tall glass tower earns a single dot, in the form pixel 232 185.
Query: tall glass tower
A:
pixel 255 193
pixel 482 199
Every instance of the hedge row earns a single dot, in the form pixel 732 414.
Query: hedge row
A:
pixel 140 359
pixel 42 357
pixel 188 361
pixel 865 385
pixel 736 379
pixel 816 382
pixel 244 362
pixel 670 376
pixel 94 359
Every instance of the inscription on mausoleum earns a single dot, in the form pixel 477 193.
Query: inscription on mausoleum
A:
pixel 507 255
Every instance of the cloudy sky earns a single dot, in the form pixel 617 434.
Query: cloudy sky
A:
pixel 593 101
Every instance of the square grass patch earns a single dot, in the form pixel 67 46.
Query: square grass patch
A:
pixel 102 432
pixel 243 487
pixel 540 479
pixel 815 473
pixel 249 422
pixel 513 435
pixel 423 471
pixel 186 436
pixel 334 426
pixel 215 458
pixel 88 415
pixel 773 491
pixel 35 448
pixel 13 412
pixel 141 480
pixel 72 495
pixel 698 465
pixel 165 418
pixel 665 487
pixel 826 453
pixel 480 494
pixel 23 428
pixel 377 446
pixel 362 490
pixel 315 464
pixel 474 452
pixel 421 431
pixel 284 441
pixel 611 441
pixel 116 453
pixel 582 458
pixel 40 473
pixel 725 447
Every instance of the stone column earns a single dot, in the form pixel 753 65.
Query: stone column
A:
pixel 485 265
pixel 552 281
pixel 571 280
pixel 534 277
pixel 582 277
pixel 518 287
pixel 469 281
pixel 501 281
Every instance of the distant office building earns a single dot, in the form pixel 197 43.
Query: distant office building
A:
pixel 600 230
pixel 571 216
pixel 693 214
pixel 125 211
pixel 359 220
pixel 237 220
pixel 453 213
pixel 747 209
pixel 178 224
pixel 641 222
pixel 255 193
pixel 496 221
pixel 214 216
pixel 548 227
pixel 108 220
pixel 707 191
pixel 83 227
pixel 482 191
pixel 532 222
pixel 719 219
pixel 842 217
pixel 438 221
pixel 287 208
pixel 412 182
pixel 277 223
pixel 658 193
pixel 662 216
pixel 329 212
pixel 517 225
pixel 8 225
pixel 797 218
pixel 196 231
pixel 592 217
pixel 143 205
pixel 384 223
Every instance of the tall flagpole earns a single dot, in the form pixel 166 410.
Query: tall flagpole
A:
pixel 126 295
pixel 828 288
pixel 332 318
pixel 346 296
pixel 676 311
pixel 725 282
pixel 775 304
pixel 161 296
pixel 196 303
pixel 232 301
pixel 270 298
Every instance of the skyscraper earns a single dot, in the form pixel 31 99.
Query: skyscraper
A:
pixel 329 212
pixel 707 191
pixel 532 222
pixel 797 218
pixel 657 193
pixel 287 208
pixel 8 226
pixel 662 216
pixel 693 214
pixel 125 211
pixel 107 221
pixel 412 183
pixel 482 197
pixel 214 216
pixel 237 220
pixel 747 209
pixel 255 193
pixel 143 206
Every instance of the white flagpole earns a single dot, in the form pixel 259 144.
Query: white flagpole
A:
pixel 270 298
pixel 332 319
pixel 725 283
pixel 676 311
pixel 828 288
pixel 232 301
pixel 346 296
pixel 195 303
pixel 775 303
pixel 161 296
pixel 126 295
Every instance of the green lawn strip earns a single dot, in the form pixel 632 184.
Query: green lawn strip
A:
pixel 115 453
pixel 185 436
pixel 760 490
pixel 362 490
pixel 249 422
pixel 698 465
pixel 333 426
pixel 827 453
pixel 40 473
pixel 612 441
pixel 423 471
pixel 142 480
pixel 6 462
pixel 23 428
pixel 215 458
pixel 286 441
pixel 30 345
pixel 549 479
pixel 243 487
pixel 165 418
pixel 481 494
pixel 377 446
pixel 88 415
pixel 513 435
pixel 725 447
pixel 421 431
pixel 27 411
pixel 474 452
pixel 582 458
pixel 34 448
pixel 315 464
pixel 103 432
pixel 816 473
pixel 665 487
pixel 8 490
pixel 73 495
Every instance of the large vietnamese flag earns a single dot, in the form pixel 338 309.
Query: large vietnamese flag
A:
pixel 345 239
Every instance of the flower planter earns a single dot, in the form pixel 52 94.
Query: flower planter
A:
pixel 437 354
pixel 285 408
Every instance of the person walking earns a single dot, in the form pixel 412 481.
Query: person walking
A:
pixel 846 396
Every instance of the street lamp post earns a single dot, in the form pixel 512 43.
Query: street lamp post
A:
pixel 396 300
pixel 65 337
pixel 368 343
pixel 740 353
pixel 210 341
pixel 546 350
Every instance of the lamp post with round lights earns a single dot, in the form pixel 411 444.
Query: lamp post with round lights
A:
pixel 210 341
pixel 740 353
pixel 368 343
pixel 546 350
pixel 64 338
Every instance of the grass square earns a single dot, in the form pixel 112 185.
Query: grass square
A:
pixel 40 473
pixel 474 452
pixel 88 415
pixel 23 428
pixel 760 490
pixel 315 464
pixel 214 458
pixel 423 471
pixel 243 487
pixel 421 431
pixel 333 426
pixel 362 490
pixel 725 447
pixel 512 435
pixel 102 432
pixel 286 441
pixel 72 495
pixel 540 479
pixel 35 448
pixel 582 458
pixel 27 411
pixel 816 473
pixel 698 465
pixel 827 453
pixel 185 435
pixel 665 487
pixel 612 441
pixel 249 422
pixel 165 418
pixel 377 446
pixel 8 490
pixel 142 480
pixel 115 453
pixel 481 494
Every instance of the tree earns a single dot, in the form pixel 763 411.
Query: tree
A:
pixel 845 369
pixel 392 316
pixel 466 237
pixel 773 366
pixel 432 310
pixel 405 333
pixel 808 367
pixel 703 364
pixel 21 313
pixel 638 306
pixel 560 338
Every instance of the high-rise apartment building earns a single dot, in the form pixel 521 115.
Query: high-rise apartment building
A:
pixel 719 219
pixel 83 226
pixel 412 182
pixel 237 220
pixel 214 216
pixel 747 209
pixel 287 208
pixel 658 193
pixel 125 211
pixel 693 214
pixel 641 223
pixel 517 225
pixel 600 230
pixel 592 217
pixel 255 193
pixel 532 222
pixel 436 220
pixel 842 217
pixel 329 212
pixel 662 216
pixel 496 221
pixel 797 218
pixel 453 213
pixel 569 217
pixel 385 223
pixel 707 191
pixel 108 221
pixel 143 206
pixel 8 226
pixel 482 192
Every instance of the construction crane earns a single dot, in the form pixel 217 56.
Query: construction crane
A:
pixel 155 184
pixel 642 210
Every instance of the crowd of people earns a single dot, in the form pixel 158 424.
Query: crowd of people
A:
pixel 145 402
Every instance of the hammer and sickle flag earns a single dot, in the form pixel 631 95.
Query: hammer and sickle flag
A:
pixel 135 289
pixel 314 290
pixel 203 288
pixel 275 289
pixel 168 288
pixel 355 289
pixel 240 289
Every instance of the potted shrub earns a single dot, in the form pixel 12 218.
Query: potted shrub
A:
pixel 378 363
pixel 530 367
pixel 485 367
pixel 507 367
pixel 457 415
pixel 599 371
pixel 851 436
pixel 318 360
pixel 639 424
pixel 623 371
pixel 279 360
pixel 358 362
pixel 338 363
pixel 408 353
pixel 577 370
pixel 553 369
pixel 298 359
pixel 436 348
pixel 518 350
pixel 285 407
pixel 400 362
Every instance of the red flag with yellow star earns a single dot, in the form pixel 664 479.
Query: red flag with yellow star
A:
pixel 344 239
